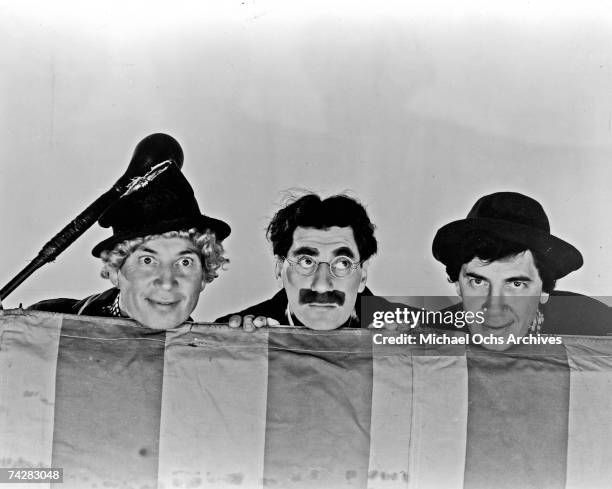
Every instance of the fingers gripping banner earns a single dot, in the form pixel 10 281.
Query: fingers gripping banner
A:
pixel 118 405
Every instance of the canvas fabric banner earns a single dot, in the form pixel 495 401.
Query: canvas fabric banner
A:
pixel 118 405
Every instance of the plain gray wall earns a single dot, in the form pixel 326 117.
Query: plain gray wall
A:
pixel 416 111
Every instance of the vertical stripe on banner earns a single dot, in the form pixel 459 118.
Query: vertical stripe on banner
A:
pixel 419 416
pixel 589 451
pixel 213 408
pixel 28 356
pixel 391 422
pixel 319 408
pixel 439 419
pixel 517 418
pixel 108 396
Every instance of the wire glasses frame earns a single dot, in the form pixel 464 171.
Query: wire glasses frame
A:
pixel 339 267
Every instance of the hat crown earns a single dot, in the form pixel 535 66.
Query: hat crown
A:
pixel 513 208
pixel 165 204
pixel 169 197
pixel 509 217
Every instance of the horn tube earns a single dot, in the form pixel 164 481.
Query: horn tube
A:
pixel 150 152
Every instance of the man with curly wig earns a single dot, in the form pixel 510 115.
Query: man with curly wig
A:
pixel 161 255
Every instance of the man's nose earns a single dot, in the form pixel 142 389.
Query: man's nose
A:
pixel 166 278
pixel 495 302
pixel 322 279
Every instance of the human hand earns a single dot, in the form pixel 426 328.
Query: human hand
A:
pixel 250 323
pixel 394 326
pixel 385 326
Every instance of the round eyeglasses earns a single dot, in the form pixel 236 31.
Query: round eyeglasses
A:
pixel 339 267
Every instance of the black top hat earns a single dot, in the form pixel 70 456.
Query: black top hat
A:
pixel 512 217
pixel 166 204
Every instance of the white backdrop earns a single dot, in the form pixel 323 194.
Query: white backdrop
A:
pixel 417 111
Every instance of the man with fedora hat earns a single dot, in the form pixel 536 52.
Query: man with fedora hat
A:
pixel 162 253
pixel 504 263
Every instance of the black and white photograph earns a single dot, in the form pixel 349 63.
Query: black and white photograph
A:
pixel 290 244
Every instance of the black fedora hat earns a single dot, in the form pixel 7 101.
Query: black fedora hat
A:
pixel 512 217
pixel 167 203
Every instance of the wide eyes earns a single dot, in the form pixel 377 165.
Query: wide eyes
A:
pixel 149 261
pixel 186 262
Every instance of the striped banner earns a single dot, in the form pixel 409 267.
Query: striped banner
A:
pixel 120 406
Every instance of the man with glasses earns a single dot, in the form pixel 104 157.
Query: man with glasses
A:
pixel 322 249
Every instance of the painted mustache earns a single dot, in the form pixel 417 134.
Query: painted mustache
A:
pixel 308 296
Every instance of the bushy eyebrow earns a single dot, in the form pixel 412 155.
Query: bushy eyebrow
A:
pixel 519 278
pixel 344 251
pixel 474 275
pixel 308 250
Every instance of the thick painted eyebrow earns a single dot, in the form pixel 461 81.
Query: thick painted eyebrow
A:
pixel 344 251
pixel 306 250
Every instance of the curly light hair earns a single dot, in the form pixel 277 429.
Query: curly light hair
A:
pixel 211 252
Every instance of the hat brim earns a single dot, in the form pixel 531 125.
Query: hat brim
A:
pixel 201 223
pixel 561 256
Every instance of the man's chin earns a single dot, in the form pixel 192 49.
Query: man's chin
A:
pixel 322 326
pixel 158 321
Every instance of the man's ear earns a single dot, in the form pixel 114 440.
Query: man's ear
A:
pixel 278 270
pixel 364 275
pixel 544 297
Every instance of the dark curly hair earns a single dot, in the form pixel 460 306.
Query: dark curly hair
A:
pixel 313 212
pixel 490 248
